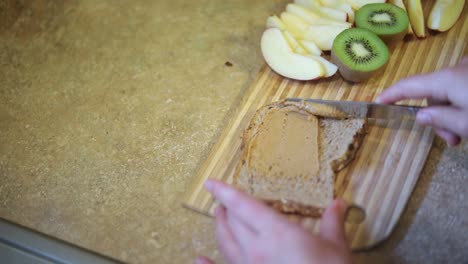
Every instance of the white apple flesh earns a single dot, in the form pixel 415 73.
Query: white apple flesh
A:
pixel 416 17
pixel 294 24
pixel 324 35
pixel 356 4
pixel 323 11
pixel 401 5
pixel 275 22
pixel 345 7
pixel 444 14
pixel 294 44
pixel 311 47
pixel 281 59
pixel 330 68
pixel 311 17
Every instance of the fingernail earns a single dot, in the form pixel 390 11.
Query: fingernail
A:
pixel 424 118
pixel 378 100
pixel 209 185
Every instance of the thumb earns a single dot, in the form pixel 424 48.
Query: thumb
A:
pixel 447 118
pixel 203 260
pixel 332 224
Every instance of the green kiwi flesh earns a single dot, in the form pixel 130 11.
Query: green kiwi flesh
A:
pixel 359 54
pixel 388 21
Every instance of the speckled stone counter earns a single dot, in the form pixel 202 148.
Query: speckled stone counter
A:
pixel 108 107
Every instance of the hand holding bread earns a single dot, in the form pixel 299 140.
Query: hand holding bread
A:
pixel 248 231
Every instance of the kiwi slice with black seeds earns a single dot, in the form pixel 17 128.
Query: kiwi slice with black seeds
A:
pixel 359 54
pixel 388 21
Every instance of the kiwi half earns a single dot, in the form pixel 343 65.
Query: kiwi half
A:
pixel 358 53
pixel 388 21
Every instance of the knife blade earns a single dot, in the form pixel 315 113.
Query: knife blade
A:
pixel 367 110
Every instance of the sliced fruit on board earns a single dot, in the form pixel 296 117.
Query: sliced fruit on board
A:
pixel 311 47
pixel 331 2
pixel 323 35
pixel 401 5
pixel 310 16
pixel 356 4
pixel 323 11
pixel 279 56
pixel 275 22
pixel 416 17
pixel 345 7
pixel 294 24
pixel 340 5
pixel 359 54
pixel 308 3
pixel 294 44
pixel 330 68
pixel 388 21
pixel 444 14
pixel 331 13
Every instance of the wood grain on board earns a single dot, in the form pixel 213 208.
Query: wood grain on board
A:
pixel 393 153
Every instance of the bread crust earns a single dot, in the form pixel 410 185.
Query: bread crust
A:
pixel 343 161
pixel 288 206
pixel 295 208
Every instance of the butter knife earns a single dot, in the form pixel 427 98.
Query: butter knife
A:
pixel 365 109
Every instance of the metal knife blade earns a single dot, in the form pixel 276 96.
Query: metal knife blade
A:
pixel 368 110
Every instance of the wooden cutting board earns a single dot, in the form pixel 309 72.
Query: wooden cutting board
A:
pixel 388 164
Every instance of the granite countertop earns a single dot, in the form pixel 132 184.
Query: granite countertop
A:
pixel 108 107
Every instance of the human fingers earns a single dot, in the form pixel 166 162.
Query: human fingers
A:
pixel 203 260
pixel 448 136
pixel 242 232
pixel 332 225
pixel 245 208
pixel 446 118
pixel 227 243
pixel 431 85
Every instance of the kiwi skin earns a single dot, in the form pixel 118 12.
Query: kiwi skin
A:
pixel 392 39
pixel 350 74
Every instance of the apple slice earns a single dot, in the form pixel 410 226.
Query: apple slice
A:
pixel 400 4
pixel 294 44
pixel 330 2
pixel 308 3
pixel 275 22
pixel 294 24
pixel 330 68
pixel 345 7
pixel 311 47
pixel 356 4
pixel 324 35
pixel 444 14
pixel 323 11
pixel 416 17
pixel 330 13
pixel 279 56
pixel 340 5
pixel 309 16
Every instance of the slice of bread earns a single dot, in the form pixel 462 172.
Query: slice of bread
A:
pixel 291 152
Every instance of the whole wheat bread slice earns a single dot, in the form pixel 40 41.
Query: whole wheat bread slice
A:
pixel 291 152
